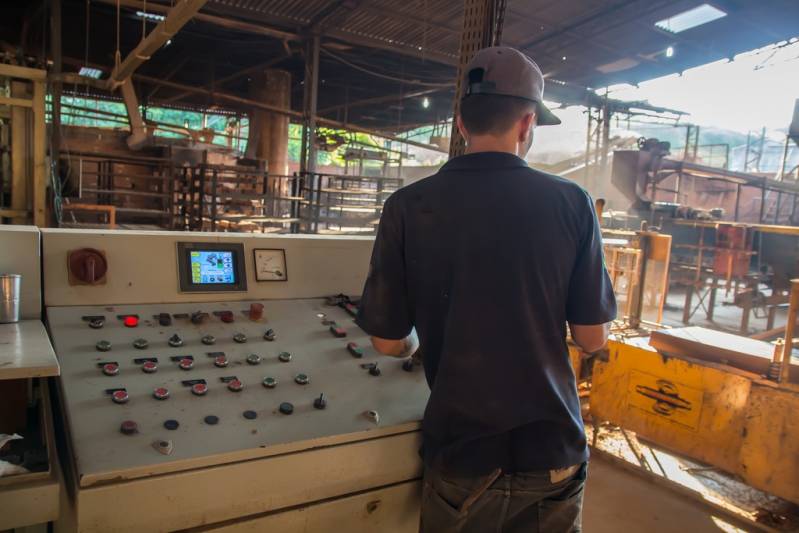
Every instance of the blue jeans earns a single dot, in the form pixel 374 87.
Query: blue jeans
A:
pixel 528 502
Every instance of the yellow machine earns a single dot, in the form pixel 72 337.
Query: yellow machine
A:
pixel 706 406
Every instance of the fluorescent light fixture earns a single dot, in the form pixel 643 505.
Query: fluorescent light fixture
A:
pixel 670 51
pixel 701 14
pixel 90 72
pixel 150 16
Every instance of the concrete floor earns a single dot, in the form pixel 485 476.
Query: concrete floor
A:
pixel 617 500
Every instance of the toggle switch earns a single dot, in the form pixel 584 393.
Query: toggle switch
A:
pixel 141 344
pixel 208 340
pixel 254 359
pixel 269 335
pixel 320 402
pixel 284 357
pixel 269 382
pixel 302 379
pixel 240 338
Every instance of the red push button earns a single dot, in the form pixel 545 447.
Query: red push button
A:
pixel 120 396
pixel 161 393
pixel 110 369
pixel 221 361
pixel 149 367
pixel 130 321
pixel 235 385
pixel 199 389
pixel 226 316
pixel 186 363
pixel 129 427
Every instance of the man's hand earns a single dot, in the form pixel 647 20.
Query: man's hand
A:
pixel 590 338
pixel 397 348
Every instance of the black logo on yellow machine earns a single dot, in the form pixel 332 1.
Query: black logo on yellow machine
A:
pixel 666 398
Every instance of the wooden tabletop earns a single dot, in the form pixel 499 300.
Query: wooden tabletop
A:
pixel 26 352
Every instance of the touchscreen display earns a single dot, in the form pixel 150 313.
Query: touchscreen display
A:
pixel 209 267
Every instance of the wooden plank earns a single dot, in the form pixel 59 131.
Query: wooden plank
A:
pixel 19 102
pixel 19 154
pixel 718 347
pixel 14 213
pixel 25 73
pixel 39 189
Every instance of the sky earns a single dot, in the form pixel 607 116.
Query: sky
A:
pixel 756 89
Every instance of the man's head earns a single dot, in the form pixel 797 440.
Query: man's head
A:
pixel 503 101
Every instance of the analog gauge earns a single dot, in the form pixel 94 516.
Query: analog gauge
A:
pixel 270 265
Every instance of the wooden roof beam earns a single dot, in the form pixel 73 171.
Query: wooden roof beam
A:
pixel 175 19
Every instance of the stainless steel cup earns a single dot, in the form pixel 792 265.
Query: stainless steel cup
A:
pixel 9 297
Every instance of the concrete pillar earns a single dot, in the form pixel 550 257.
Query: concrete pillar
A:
pixel 269 132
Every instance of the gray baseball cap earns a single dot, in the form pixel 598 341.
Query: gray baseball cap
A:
pixel 505 71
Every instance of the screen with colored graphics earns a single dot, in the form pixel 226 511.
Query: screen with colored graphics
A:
pixel 212 266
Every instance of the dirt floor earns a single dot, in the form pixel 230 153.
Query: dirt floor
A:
pixel 619 501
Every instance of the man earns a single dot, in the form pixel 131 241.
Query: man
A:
pixel 487 261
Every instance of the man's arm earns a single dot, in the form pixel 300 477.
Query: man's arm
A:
pixel 384 312
pixel 397 347
pixel 590 338
pixel 591 304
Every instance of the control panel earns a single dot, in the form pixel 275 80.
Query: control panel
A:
pixel 174 386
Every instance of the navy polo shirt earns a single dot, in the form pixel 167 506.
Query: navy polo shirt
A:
pixel 489 259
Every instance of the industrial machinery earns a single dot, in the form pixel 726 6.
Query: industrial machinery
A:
pixel 207 382
pixel 719 398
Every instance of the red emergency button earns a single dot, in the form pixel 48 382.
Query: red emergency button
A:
pixel 199 389
pixel 235 385
pixel 186 363
pixel 149 367
pixel 161 393
pixel 221 361
pixel 130 321
pixel 120 396
pixel 110 369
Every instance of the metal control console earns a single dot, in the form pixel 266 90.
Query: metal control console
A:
pixel 208 382
pixel 176 386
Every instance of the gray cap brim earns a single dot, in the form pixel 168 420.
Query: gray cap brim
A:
pixel 545 117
